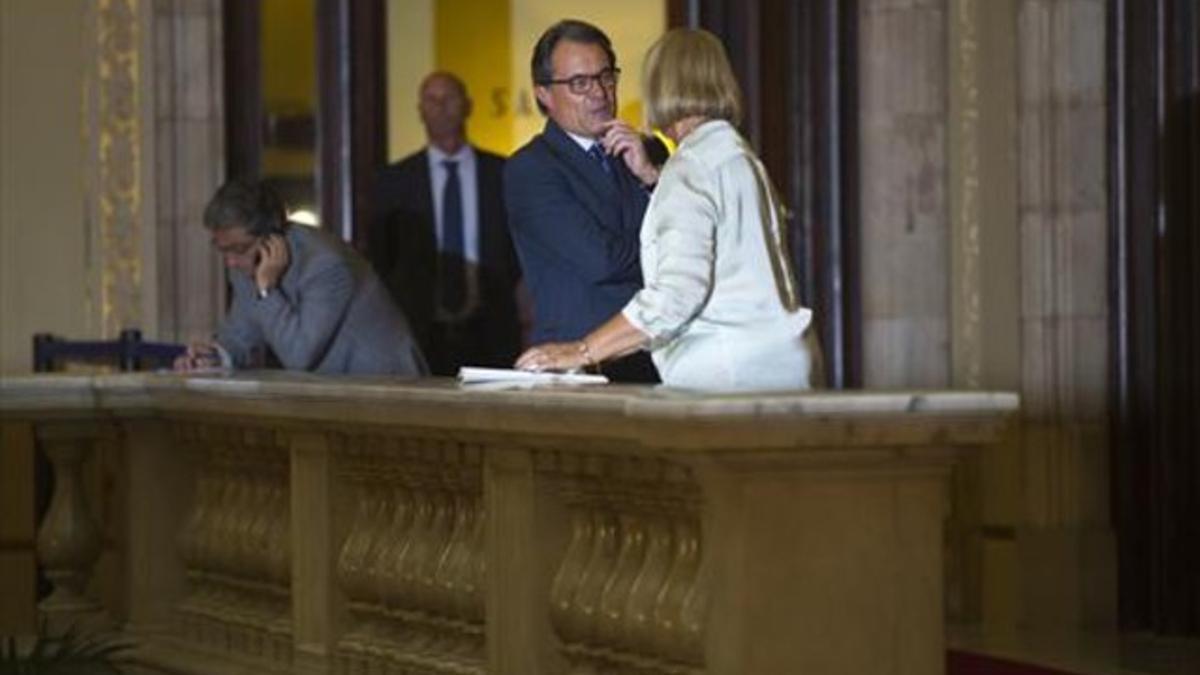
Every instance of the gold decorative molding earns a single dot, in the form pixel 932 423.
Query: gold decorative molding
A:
pixel 966 351
pixel 112 127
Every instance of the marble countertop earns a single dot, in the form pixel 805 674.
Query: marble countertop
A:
pixel 787 417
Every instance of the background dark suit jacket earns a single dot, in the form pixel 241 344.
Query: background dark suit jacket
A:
pixel 403 249
pixel 576 230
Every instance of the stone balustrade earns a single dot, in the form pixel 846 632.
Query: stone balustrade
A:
pixel 235 544
pixel 282 523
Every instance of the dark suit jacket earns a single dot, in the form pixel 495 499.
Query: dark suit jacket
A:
pixel 403 249
pixel 576 230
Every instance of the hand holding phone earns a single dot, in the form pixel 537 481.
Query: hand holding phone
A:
pixel 273 259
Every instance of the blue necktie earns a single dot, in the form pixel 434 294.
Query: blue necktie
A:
pixel 597 155
pixel 452 270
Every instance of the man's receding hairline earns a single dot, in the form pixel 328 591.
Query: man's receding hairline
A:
pixel 582 43
pixel 448 76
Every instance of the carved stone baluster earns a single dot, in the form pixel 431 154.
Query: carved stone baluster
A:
pixel 403 569
pixel 455 577
pixel 586 605
pixel 571 572
pixel 280 562
pixel 262 602
pixel 470 602
pixel 440 536
pixel 669 638
pixel 192 539
pixel 351 559
pixel 453 646
pixel 200 572
pixel 350 570
pixel 247 615
pixel 387 521
pixel 69 540
pixel 622 492
pixel 410 558
pixel 233 598
pixel 477 567
pixel 449 576
pixel 630 559
pixel 693 615
pixel 643 592
pixel 472 565
pixel 216 594
pixel 385 572
pixel 244 558
pixel 216 597
pixel 258 613
pixel 380 506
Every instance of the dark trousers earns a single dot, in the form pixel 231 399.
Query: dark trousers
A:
pixel 453 345
pixel 637 368
pixel 473 342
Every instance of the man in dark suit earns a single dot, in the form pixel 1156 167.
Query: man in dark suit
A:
pixel 576 195
pixel 441 243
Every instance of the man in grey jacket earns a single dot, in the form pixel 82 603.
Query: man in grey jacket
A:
pixel 299 292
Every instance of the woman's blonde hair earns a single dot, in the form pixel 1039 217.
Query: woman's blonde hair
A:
pixel 686 73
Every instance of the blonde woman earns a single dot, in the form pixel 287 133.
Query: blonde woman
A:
pixel 719 308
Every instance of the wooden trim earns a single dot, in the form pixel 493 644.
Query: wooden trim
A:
pixel 831 31
pixel 8 546
pixel 352 114
pixel 1154 148
pixel 242 23
pixel 797 63
pixel 680 13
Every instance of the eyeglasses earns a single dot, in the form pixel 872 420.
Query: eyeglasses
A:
pixel 582 84
pixel 239 247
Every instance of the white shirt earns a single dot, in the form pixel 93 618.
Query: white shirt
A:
pixel 720 302
pixel 438 174
pixel 583 141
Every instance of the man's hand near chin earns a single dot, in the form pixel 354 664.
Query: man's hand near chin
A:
pixel 620 140
pixel 201 355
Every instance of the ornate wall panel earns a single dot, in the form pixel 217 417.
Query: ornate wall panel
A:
pixel 153 126
pixel 114 126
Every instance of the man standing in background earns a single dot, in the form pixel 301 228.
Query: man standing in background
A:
pixel 440 240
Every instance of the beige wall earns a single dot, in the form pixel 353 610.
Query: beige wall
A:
pixel 410 57
pixel 505 116
pixel 632 25
pixel 983 204
pixel 43 236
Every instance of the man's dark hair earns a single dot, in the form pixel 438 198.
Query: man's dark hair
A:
pixel 253 205
pixel 571 30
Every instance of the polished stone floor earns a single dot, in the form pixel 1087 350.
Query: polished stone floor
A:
pixel 1084 654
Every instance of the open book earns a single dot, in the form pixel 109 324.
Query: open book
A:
pixel 517 377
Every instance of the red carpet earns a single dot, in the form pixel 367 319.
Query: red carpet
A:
pixel 966 663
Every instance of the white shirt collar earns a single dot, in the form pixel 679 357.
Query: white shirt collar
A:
pixel 437 156
pixel 583 141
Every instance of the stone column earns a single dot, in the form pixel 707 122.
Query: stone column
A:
pixel 902 79
pixel 985 265
pixel 1066 546
pixel 985 346
pixel 188 137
